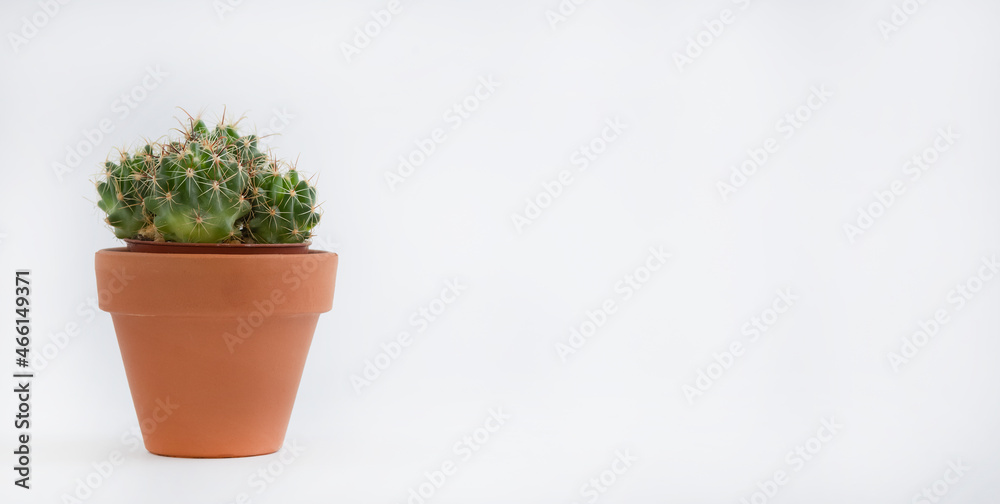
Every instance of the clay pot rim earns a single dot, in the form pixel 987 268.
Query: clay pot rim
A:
pixel 147 246
pixel 131 279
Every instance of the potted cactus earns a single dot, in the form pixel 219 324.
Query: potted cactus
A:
pixel 216 296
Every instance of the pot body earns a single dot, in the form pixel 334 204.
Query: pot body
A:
pixel 214 344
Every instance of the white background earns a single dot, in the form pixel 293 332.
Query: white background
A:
pixel 495 347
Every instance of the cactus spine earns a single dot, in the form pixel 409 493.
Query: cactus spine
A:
pixel 214 185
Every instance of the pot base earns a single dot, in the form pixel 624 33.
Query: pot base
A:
pixel 197 396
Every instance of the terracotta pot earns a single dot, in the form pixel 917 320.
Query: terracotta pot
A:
pixel 214 344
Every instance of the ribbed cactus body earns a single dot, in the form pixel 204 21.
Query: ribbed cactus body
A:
pixel 123 190
pixel 214 186
pixel 284 207
pixel 197 193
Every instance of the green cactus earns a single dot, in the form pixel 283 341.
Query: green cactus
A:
pixel 197 190
pixel 284 206
pixel 212 186
pixel 124 188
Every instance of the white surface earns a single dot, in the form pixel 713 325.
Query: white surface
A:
pixel 496 346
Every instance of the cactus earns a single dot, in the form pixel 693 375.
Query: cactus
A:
pixel 197 190
pixel 284 208
pixel 212 186
pixel 123 191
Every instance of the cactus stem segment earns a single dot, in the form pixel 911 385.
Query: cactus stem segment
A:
pixel 215 185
